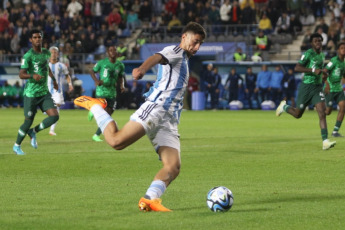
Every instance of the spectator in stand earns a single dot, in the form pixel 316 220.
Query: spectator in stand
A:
pixel 55 8
pixel 289 87
pixel 224 12
pixel 283 24
pixel 250 86
pixel 213 16
pixel 233 83
pixel 154 27
pixel 4 23
pixel 145 12
pixel 74 7
pixel 91 44
pixel 333 39
pixel 295 25
pixel 136 6
pixel 7 43
pixel 307 18
pixel 263 83
pixel 235 13
pixel 265 24
pixel 189 6
pixel 15 48
pixel 322 24
pixel 193 85
pixel 239 55
pixel 262 42
pixel 132 21
pixel 276 85
pixel 318 7
pixel 174 24
pixel 121 52
pixel 96 10
pixel 248 14
pixel 171 7
pixel 294 7
pixel 114 17
pixel 87 9
pixel 260 4
pixel 245 3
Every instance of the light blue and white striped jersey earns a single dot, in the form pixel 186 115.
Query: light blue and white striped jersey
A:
pixel 172 79
pixel 60 71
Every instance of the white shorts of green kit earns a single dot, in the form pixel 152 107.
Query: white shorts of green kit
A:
pixel 160 126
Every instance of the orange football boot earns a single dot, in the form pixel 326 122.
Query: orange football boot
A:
pixel 147 205
pixel 87 102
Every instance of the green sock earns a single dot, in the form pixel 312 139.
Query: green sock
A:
pixel 23 130
pixel 286 107
pixel 337 126
pixel 98 132
pixel 324 134
pixel 46 123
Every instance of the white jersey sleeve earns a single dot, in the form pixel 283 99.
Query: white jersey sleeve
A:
pixel 172 79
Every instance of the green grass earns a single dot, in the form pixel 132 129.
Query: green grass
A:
pixel 276 168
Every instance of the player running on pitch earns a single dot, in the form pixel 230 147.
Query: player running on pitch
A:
pixel 310 89
pixel 333 88
pixel 111 73
pixel 35 69
pixel 159 116
pixel 60 71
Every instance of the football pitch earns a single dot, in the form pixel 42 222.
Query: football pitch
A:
pixel 275 167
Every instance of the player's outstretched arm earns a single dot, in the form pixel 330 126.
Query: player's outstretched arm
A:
pixel 139 72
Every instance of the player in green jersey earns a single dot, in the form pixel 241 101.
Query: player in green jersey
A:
pixel 111 73
pixel 310 89
pixel 35 69
pixel 333 88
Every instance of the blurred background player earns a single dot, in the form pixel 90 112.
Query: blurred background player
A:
pixel 333 87
pixel 35 69
pixel 310 89
pixel 60 71
pixel 111 73
pixel 159 116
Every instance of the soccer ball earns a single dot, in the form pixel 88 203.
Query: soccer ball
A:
pixel 219 199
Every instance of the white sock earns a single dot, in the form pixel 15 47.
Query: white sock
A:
pixel 155 190
pixel 101 116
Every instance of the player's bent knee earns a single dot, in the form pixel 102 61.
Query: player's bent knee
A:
pixel 116 143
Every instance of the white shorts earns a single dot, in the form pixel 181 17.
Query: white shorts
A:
pixel 160 126
pixel 58 98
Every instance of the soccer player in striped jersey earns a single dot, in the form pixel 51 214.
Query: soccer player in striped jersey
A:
pixel 159 116
pixel 60 72
pixel 334 89
pixel 310 89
